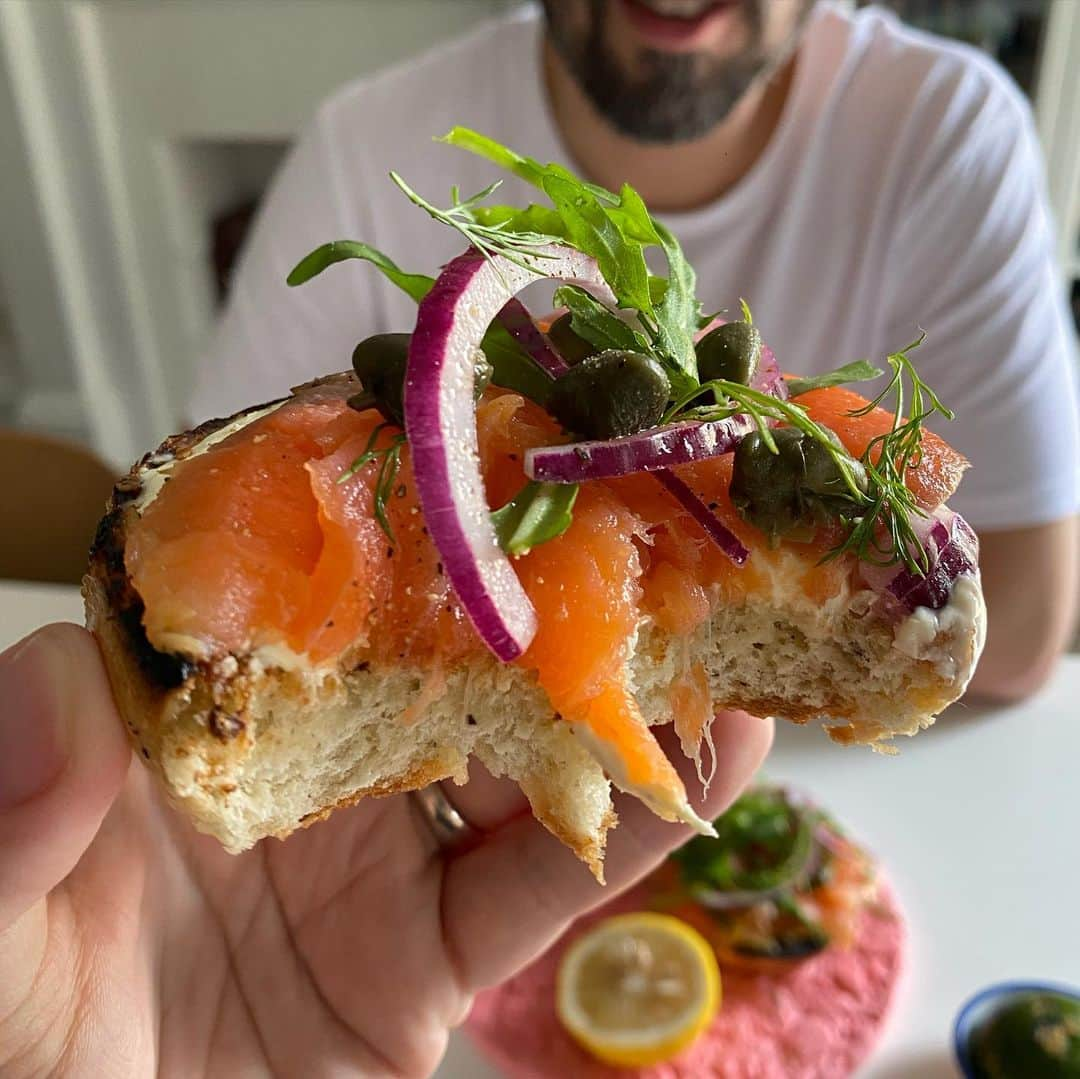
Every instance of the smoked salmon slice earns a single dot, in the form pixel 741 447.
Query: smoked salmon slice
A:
pixel 263 540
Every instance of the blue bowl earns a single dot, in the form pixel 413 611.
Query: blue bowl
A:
pixel 983 1004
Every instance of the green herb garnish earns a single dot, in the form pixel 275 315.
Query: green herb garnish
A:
pixel 597 324
pixel 859 371
pixel 537 513
pixel 615 229
pixel 519 246
pixel 389 458
pixel 763 408
pixel 889 506
pixel 762 842
pixel 657 317
pixel 415 284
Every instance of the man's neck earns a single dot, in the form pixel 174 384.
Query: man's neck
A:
pixel 675 176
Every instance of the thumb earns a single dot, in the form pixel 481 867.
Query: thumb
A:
pixel 63 758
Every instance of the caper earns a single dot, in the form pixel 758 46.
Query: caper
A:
pixel 610 395
pixel 731 352
pixel 788 493
pixel 380 363
pixel 568 344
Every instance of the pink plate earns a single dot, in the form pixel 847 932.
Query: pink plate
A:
pixel 819 1020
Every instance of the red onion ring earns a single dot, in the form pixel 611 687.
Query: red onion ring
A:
pixel 440 421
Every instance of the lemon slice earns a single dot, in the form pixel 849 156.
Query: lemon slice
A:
pixel 637 989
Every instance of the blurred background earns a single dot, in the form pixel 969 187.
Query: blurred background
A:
pixel 137 136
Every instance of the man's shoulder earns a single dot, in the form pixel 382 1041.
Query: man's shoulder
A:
pixel 914 72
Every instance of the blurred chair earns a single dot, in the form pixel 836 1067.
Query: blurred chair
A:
pixel 53 494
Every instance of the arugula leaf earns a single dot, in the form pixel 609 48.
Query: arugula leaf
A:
pixel 417 285
pixel 597 324
pixel 633 217
pixel 537 513
pixel 594 219
pixel 533 218
pixel 677 314
pixel 591 229
pixel 495 152
pixel 526 168
pixel 859 371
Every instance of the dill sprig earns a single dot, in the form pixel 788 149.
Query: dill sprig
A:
pixel 879 519
pixel 389 458
pixel 520 248
pixel 883 533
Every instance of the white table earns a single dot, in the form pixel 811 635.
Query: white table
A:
pixel 975 821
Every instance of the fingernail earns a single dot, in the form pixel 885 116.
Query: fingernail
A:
pixel 33 720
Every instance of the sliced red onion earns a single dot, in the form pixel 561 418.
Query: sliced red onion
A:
pixel 655 449
pixel 516 318
pixel 768 378
pixel 646 451
pixel 955 552
pixel 726 540
pixel 440 421
pixel 952 549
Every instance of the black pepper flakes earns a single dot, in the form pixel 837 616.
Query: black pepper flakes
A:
pixel 470 719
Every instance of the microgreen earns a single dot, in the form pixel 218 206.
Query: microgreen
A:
pixel 763 841
pixel 764 409
pixel 521 248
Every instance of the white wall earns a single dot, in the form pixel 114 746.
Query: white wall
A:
pixel 124 125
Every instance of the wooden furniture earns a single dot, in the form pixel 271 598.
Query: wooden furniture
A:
pixel 54 493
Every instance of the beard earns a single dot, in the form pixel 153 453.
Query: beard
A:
pixel 669 97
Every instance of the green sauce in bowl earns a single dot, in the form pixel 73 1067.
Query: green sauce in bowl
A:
pixel 1025 1033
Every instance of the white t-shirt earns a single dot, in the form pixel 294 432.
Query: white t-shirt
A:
pixel 902 188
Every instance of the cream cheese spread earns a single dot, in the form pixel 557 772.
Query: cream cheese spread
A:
pixel 951 638
pixel 155 472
